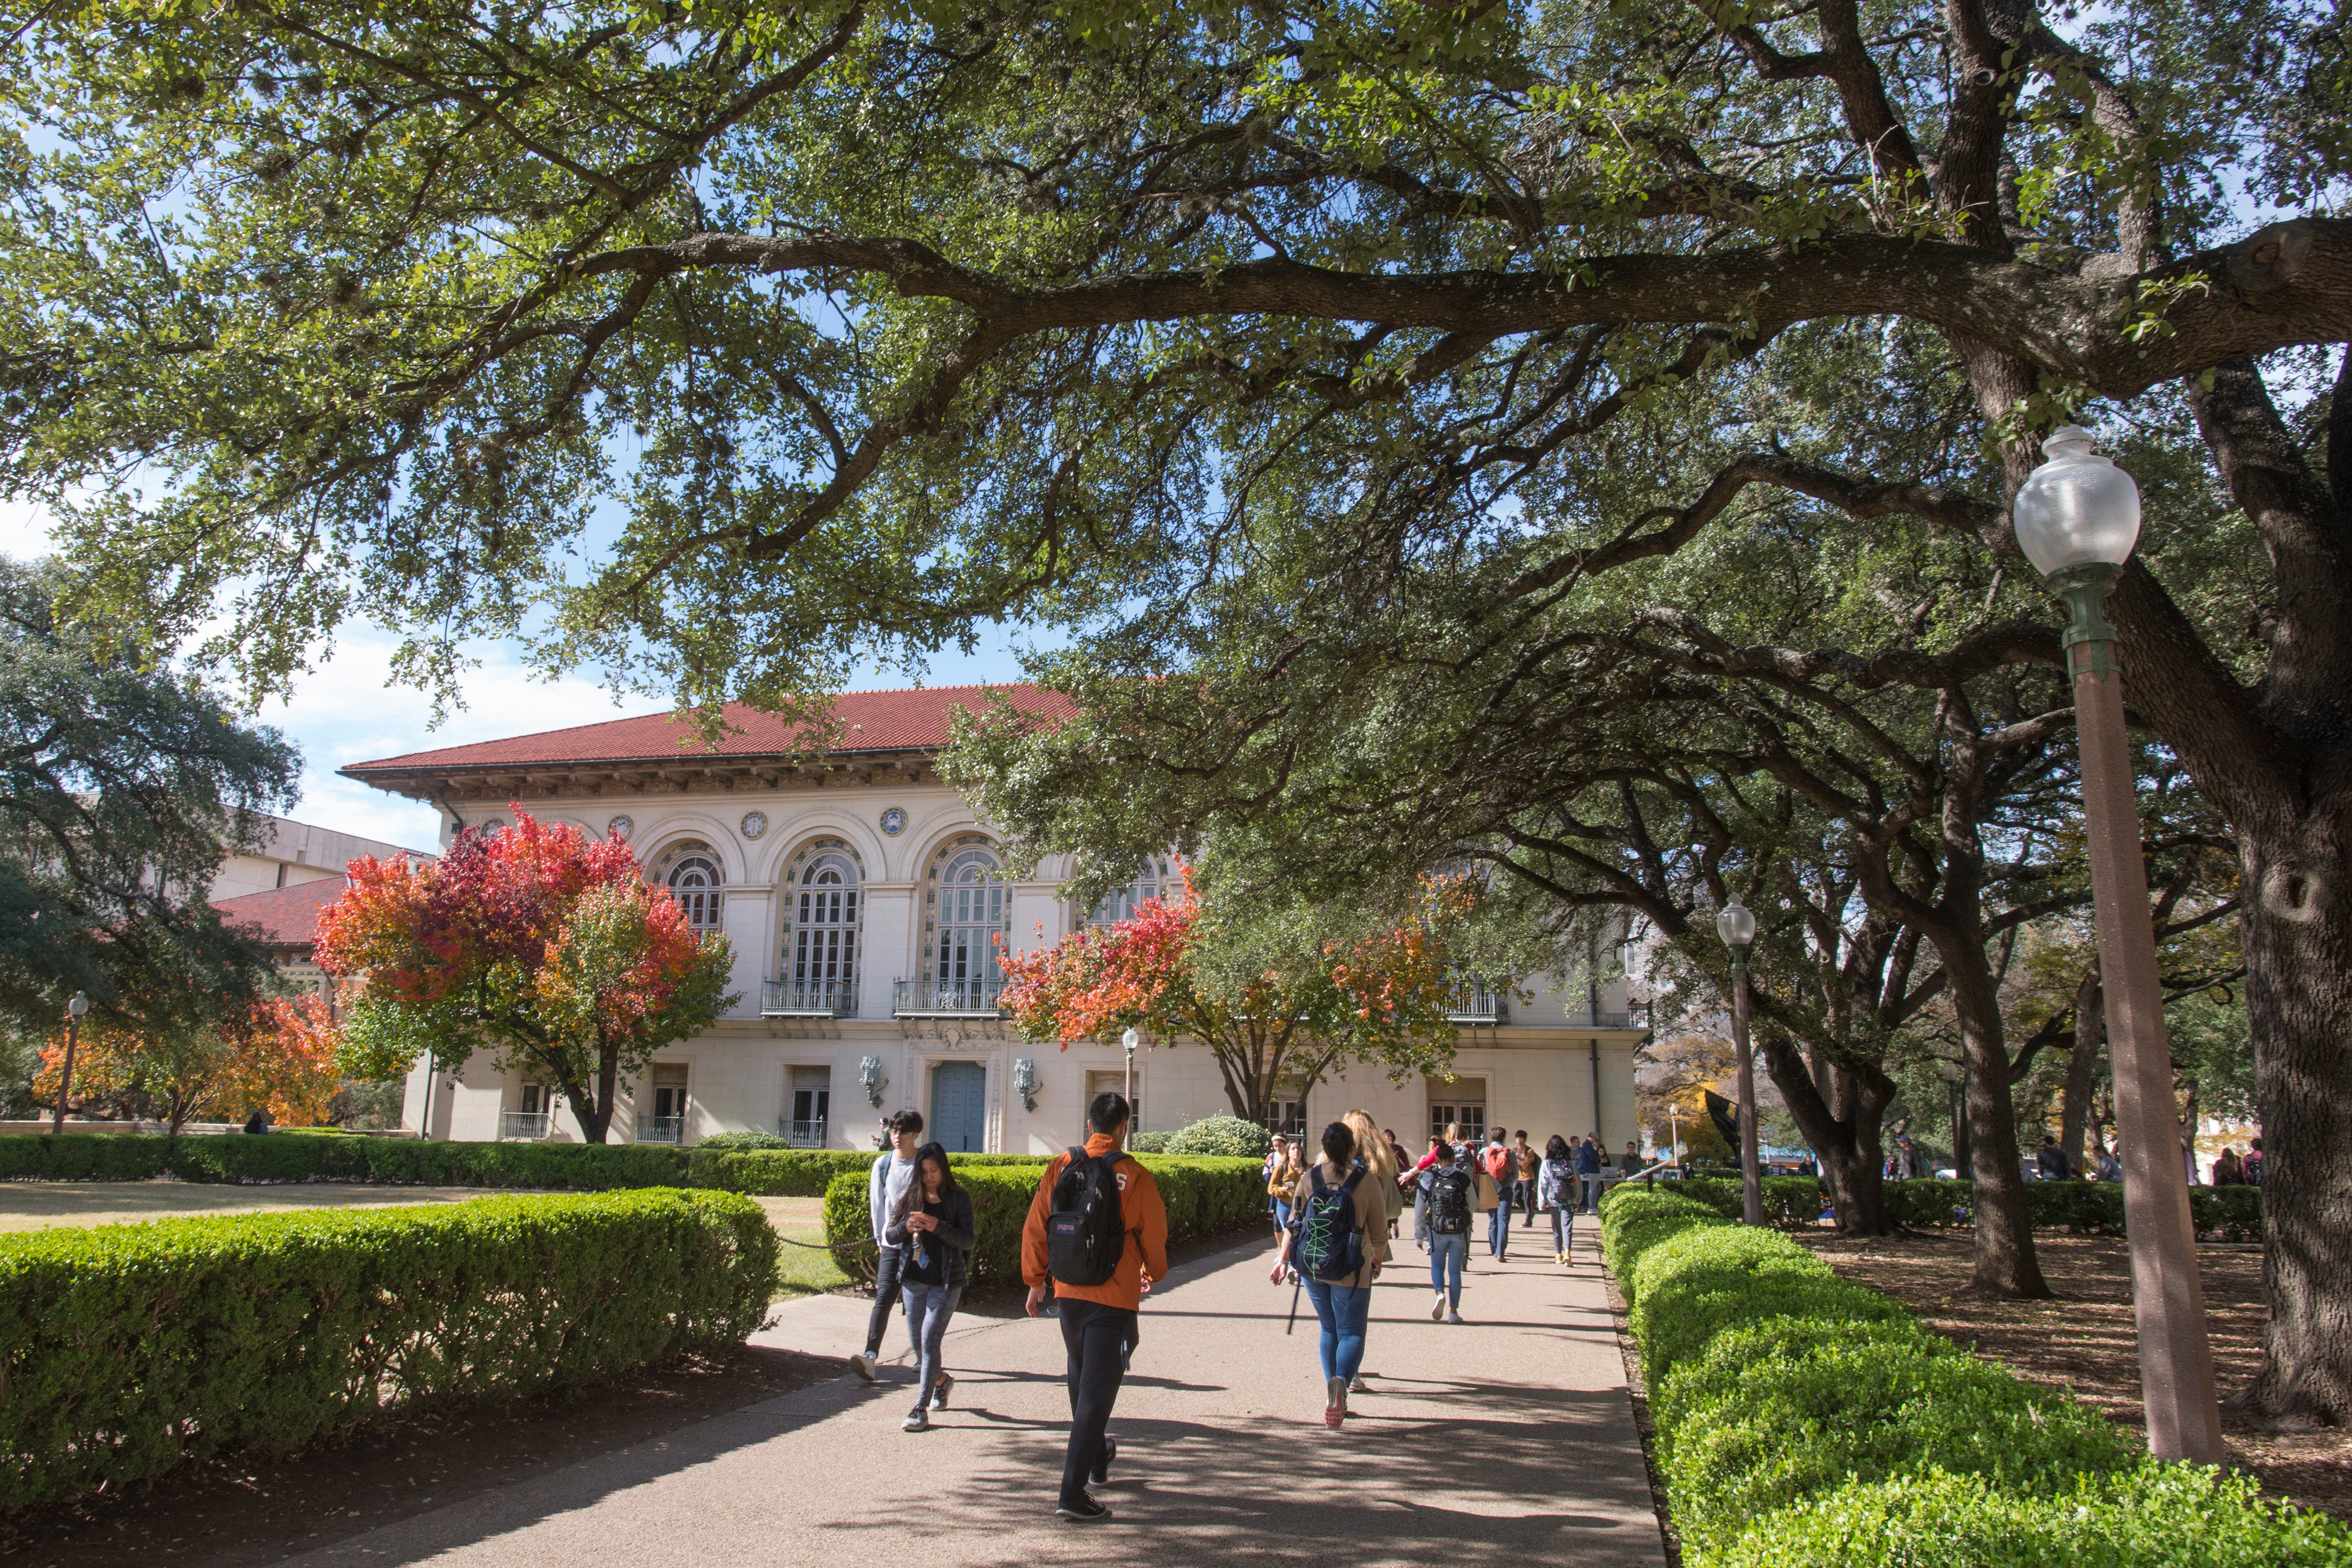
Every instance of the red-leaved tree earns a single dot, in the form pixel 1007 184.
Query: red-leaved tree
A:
pixel 533 942
pixel 1279 1005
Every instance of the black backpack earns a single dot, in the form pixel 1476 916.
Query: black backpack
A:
pixel 1449 1200
pixel 1086 1234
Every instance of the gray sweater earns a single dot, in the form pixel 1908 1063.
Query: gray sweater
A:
pixel 886 1185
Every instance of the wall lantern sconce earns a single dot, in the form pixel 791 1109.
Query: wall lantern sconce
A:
pixel 1024 1082
pixel 869 1073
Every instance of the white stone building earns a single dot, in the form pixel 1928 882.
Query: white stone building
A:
pixel 862 900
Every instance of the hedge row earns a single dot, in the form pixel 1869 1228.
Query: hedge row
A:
pixel 1205 1196
pixel 234 1157
pixel 127 1349
pixel 2086 1208
pixel 1804 1419
pixel 803 1172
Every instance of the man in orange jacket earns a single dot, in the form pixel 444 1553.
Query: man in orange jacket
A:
pixel 1098 1321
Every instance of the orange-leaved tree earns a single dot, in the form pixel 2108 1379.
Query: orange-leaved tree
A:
pixel 535 944
pixel 278 1055
pixel 1279 1000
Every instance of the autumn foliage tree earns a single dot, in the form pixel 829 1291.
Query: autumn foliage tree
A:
pixel 535 944
pixel 1280 1004
pixel 278 1055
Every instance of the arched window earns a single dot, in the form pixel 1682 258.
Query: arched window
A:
pixel 971 920
pixel 1158 880
pixel 690 872
pixel 824 926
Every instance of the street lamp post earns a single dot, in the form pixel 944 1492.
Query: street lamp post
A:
pixel 2077 517
pixel 1956 1077
pixel 74 1010
pixel 1130 1040
pixel 1737 926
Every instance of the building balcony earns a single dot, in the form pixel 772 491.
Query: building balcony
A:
pixel 801 1134
pixel 661 1129
pixel 945 998
pixel 526 1126
pixel 808 999
pixel 1475 1004
pixel 1590 1019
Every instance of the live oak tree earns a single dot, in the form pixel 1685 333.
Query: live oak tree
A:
pixel 872 320
pixel 533 944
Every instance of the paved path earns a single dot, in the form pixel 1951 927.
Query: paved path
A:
pixel 1509 1434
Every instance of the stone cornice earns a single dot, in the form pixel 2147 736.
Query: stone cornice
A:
pixel 684 774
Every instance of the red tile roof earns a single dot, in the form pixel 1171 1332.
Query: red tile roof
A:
pixel 865 721
pixel 285 917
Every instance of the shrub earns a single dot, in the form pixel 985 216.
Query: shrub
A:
pixel 1634 1220
pixel 1689 1288
pixel 1791 1203
pixel 803 1172
pixel 2086 1208
pixel 1731 1353
pixel 2179 1516
pixel 234 1157
pixel 1785 1428
pixel 1151 1144
pixel 1222 1135
pixel 1203 1197
pixel 130 1348
pixel 719 1141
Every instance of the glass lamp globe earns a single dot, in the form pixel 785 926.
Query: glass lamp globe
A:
pixel 2078 509
pixel 1735 925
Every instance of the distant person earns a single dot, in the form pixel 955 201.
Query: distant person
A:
pixel 2229 1171
pixel 1556 1177
pixel 2052 1160
pixel 1099 1230
pixel 1380 1170
pixel 2110 1168
pixel 2254 1164
pixel 1502 1170
pixel 1524 1160
pixel 1337 1243
pixel 1448 1183
pixel 257 1123
pixel 1588 1172
pixel 1281 1180
pixel 933 1228
pixel 886 1194
pixel 1630 1161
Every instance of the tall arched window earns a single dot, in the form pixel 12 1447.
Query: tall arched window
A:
pixel 1158 880
pixel 824 927
pixel 971 920
pixel 690 872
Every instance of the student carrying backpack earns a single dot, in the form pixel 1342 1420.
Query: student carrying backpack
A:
pixel 1338 1241
pixel 1085 1234
pixel 1447 1186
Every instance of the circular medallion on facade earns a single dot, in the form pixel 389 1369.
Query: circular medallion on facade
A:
pixel 619 827
pixel 894 822
pixel 755 823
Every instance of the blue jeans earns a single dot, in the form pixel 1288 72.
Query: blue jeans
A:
pixel 929 1308
pixel 1342 1310
pixel 1498 1227
pixel 1446 1255
pixel 1563 1226
pixel 1282 1213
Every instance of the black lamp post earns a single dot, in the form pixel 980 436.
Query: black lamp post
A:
pixel 74 1010
pixel 1737 926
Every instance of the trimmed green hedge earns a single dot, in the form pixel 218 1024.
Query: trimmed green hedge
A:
pixel 2086 1208
pixel 1804 1419
pixel 277 1157
pixel 1205 1196
pixel 803 1172
pixel 126 1349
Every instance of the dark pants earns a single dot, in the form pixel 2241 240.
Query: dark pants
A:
pixel 1528 1201
pixel 1498 1227
pixel 886 1296
pixel 1096 1338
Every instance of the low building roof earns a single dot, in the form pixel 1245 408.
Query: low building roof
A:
pixel 284 916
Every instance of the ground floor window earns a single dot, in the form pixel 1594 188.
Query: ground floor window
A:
pixel 1461 1104
pixel 1114 1081
pixel 810 1107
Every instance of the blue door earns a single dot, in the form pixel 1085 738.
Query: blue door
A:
pixel 960 1106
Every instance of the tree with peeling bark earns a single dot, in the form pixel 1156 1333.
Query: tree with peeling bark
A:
pixel 871 320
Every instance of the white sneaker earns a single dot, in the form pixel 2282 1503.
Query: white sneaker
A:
pixel 1437 1307
pixel 1452 1317
pixel 1358 1386
pixel 862 1364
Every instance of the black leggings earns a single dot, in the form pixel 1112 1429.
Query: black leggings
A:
pixel 1097 1339
pixel 886 1296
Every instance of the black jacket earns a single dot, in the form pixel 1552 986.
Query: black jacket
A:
pixel 958 1230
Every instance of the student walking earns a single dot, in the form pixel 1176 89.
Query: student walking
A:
pixel 1378 1154
pixel 1099 1230
pixel 1447 1185
pixel 1587 1173
pixel 1523 1191
pixel 1501 1171
pixel 933 1228
pixel 1281 1181
pixel 1338 1241
pixel 1557 1178
pixel 885 1191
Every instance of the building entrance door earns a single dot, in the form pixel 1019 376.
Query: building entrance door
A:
pixel 960 1106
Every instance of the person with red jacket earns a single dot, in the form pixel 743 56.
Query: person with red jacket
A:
pixel 1098 1321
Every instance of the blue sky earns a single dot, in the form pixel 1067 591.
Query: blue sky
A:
pixel 346 710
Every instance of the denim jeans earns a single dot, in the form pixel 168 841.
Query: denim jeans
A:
pixel 1563 1228
pixel 885 1295
pixel 1342 1310
pixel 1282 1213
pixel 1528 1200
pixel 929 1308
pixel 1592 1192
pixel 1446 1254
pixel 1498 1227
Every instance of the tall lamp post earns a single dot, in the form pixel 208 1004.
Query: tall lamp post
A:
pixel 2077 517
pixel 74 1010
pixel 1130 1040
pixel 1736 927
pixel 1956 1079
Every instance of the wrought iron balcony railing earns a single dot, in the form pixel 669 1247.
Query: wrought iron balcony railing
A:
pixel 946 998
pixel 660 1129
pixel 1475 1004
pixel 808 999
pixel 802 1134
pixel 1589 1019
pixel 527 1125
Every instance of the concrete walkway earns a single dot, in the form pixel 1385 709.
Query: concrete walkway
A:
pixel 1510 1437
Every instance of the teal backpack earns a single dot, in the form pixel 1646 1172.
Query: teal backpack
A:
pixel 1326 1242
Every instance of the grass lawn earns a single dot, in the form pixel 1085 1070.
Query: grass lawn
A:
pixel 804 1272
pixel 38 1205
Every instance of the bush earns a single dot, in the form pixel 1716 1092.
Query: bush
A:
pixel 1203 1197
pixel 130 1348
pixel 282 1157
pixel 2084 1208
pixel 2181 1515
pixel 1151 1144
pixel 719 1140
pixel 803 1172
pixel 1791 1203
pixel 1732 1351
pixel 1229 1136
pixel 1634 1219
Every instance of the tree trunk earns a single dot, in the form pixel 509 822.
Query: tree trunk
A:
pixel 1844 1134
pixel 2083 1071
pixel 2006 1264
